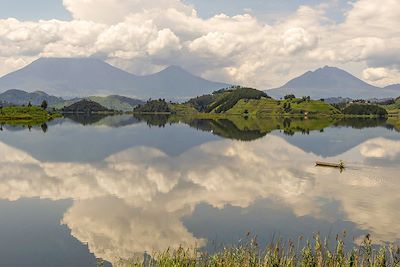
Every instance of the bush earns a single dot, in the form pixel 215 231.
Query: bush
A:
pixel 154 106
pixel 288 97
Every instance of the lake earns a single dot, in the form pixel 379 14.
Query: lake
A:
pixel 82 188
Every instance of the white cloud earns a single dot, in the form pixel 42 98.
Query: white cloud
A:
pixel 165 43
pixel 144 36
pixel 381 76
pixel 297 39
pixel 375 74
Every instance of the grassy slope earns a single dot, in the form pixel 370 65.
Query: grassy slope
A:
pixel 25 115
pixel 184 109
pixel 270 107
pixel 256 107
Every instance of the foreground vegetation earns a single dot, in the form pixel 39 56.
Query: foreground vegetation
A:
pixel 277 254
pixel 25 115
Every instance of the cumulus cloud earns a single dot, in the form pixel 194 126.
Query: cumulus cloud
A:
pixel 297 39
pixel 145 36
pixel 375 74
pixel 381 76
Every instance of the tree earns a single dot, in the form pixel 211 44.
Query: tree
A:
pixel 44 104
pixel 29 104
pixel 288 97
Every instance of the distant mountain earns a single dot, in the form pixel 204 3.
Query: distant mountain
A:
pixel 330 82
pixel 393 87
pixel 88 76
pixel 175 82
pixel 19 97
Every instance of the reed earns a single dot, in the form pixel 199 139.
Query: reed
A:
pixel 313 253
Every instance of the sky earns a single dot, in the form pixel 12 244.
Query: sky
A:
pixel 258 43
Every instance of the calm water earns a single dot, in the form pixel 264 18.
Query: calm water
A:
pixel 85 188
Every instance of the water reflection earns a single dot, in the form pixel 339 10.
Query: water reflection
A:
pixel 145 199
pixel 242 128
pixel 102 119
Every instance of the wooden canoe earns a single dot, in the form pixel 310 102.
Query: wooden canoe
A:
pixel 332 165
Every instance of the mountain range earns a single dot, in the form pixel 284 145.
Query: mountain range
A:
pixel 83 77
pixel 89 76
pixel 330 82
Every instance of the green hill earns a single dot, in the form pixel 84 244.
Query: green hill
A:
pixel 223 100
pixel 365 109
pixel 252 102
pixel 86 106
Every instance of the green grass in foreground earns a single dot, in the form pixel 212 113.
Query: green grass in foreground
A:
pixel 25 115
pixel 290 254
